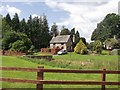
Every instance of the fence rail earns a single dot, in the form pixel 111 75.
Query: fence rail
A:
pixel 40 75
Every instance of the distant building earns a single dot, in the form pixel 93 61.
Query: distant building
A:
pixel 109 45
pixel 62 42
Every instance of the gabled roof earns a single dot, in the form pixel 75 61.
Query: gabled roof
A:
pixel 60 39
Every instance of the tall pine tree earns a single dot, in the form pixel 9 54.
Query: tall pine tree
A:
pixel 8 19
pixel 54 30
pixel 77 37
pixel 16 23
pixel 23 26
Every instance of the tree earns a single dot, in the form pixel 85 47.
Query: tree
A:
pixel 46 37
pixel 39 31
pixel 23 26
pixel 84 40
pixel 64 31
pixel 8 19
pixel 16 23
pixel 5 27
pixel 98 46
pixel 107 28
pixel 112 42
pixel 9 38
pixel 77 37
pixel 27 42
pixel 12 36
pixel 72 32
pixel 29 27
pixel 90 46
pixel 36 29
pixel 80 48
pixel 19 46
pixel 54 30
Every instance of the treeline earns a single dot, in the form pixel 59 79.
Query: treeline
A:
pixel 34 33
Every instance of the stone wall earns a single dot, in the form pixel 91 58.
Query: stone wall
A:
pixel 11 53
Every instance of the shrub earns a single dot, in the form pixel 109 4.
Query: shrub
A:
pixel 19 46
pixel 80 48
pixel 98 46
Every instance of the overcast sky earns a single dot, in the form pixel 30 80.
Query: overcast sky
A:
pixel 83 15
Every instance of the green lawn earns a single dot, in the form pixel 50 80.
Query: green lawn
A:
pixel 77 61
pixel 73 56
pixel 11 61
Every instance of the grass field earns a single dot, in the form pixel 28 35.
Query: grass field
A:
pixel 11 61
pixel 77 61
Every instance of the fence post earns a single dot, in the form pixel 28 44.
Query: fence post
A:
pixel 103 78
pixel 40 77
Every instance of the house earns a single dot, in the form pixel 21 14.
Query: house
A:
pixel 62 42
pixel 112 43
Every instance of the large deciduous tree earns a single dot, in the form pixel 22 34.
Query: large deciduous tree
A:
pixel 107 28
pixel 64 31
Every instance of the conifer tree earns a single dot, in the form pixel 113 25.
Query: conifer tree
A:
pixel 16 23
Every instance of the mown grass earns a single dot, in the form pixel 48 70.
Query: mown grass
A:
pixel 11 61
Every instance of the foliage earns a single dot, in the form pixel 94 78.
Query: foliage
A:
pixel 32 48
pixel 83 40
pixel 64 31
pixel 36 29
pixel 72 31
pixel 19 46
pixel 23 26
pixel 5 27
pixel 90 46
pixel 107 28
pixel 16 23
pixel 77 37
pixel 54 30
pixel 80 48
pixel 98 46
pixel 112 42
pixel 8 19
pixel 11 37
pixel 27 42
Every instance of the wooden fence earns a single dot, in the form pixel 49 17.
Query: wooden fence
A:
pixel 40 75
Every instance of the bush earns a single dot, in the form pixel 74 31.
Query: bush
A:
pixel 19 46
pixel 80 48
pixel 84 51
pixel 98 46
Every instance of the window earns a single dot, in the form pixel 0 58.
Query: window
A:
pixel 53 43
